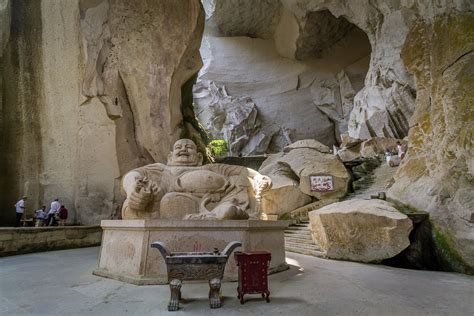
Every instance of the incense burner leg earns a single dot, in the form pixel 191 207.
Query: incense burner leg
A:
pixel 175 289
pixel 266 295
pixel 214 293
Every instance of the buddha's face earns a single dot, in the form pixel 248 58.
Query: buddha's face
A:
pixel 184 154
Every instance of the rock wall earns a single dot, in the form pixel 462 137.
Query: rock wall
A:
pixel 296 73
pixel 80 108
pixel 437 173
pixel 335 63
pixel 20 144
pixel 417 82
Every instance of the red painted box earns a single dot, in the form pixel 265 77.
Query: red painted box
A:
pixel 253 271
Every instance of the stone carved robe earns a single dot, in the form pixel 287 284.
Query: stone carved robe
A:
pixel 194 191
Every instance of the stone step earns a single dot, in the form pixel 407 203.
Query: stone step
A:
pixel 314 253
pixel 297 232
pixel 299 225
pixel 296 235
pixel 297 229
pixel 300 240
pixel 301 232
pixel 301 246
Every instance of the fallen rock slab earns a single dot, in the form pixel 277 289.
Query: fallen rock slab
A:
pixel 360 230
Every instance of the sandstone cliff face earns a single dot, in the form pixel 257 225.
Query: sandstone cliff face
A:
pixel 337 62
pixel 417 82
pixel 295 70
pixel 92 89
pixel 437 173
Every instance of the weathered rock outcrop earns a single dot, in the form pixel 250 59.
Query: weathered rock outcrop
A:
pixel 295 71
pixel 352 149
pixel 291 173
pixel 437 173
pixel 94 89
pixel 316 36
pixel 360 230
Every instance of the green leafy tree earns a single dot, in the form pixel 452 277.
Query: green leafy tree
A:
pixel 217 147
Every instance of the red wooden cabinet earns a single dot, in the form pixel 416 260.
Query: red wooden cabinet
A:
pixel 253 271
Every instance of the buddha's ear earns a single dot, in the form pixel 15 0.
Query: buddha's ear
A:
pixel 170 155
pixel 199 159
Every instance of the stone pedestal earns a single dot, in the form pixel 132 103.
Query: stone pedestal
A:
pixel 126 254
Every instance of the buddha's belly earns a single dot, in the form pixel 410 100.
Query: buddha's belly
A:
pixel 200 181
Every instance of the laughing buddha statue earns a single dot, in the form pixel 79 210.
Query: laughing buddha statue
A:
pixel 186 189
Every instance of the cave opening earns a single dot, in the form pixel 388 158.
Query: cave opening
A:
pixel 291 80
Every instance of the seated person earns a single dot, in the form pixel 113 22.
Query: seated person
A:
pixel 185 189
pixel 40 216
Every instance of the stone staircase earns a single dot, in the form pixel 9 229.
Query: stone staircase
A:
pixel 298 239
pixel 373 178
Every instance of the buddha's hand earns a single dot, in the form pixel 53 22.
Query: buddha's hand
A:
pixel 144 193
pixel 261 184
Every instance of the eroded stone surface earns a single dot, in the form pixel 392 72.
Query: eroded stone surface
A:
pixel 436 174
pixel 360 230
pixel 94 89
pixel 367 96
pixel 291 170
pixel 353 149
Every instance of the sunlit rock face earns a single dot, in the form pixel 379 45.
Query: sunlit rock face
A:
pixel 295 72
pixel 360 230
pixel 90 90
pixel 438 171
pixel 409 77
pixel 334 63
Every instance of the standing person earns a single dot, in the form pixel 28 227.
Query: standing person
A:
pixel 52 211
pixel 20 209
pixel 40 216
pixel 62 215
pixel 400 150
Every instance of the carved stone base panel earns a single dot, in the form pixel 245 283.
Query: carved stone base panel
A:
pixel 126 255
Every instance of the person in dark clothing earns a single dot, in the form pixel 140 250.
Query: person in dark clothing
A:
pixel 62 215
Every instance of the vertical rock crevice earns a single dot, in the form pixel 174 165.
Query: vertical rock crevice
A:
pixel 22 102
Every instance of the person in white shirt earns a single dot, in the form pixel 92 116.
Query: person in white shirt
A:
pixel 400 150
pixel 20 209
pixel 55 205
pixel 40 216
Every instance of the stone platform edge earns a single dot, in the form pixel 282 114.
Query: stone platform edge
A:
pixel 179 225
pixel 21 240
pixel 160 280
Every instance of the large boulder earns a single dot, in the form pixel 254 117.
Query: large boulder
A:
pixel 292 172
pixel 360 230
pixel 309 163
pixel 285 195
pixel 307 143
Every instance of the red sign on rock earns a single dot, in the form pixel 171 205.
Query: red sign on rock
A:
pixel 321 183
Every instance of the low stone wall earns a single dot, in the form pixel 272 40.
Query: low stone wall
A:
pixel 15 241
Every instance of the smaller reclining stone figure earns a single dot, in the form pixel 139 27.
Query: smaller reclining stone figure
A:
pixel 195 266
